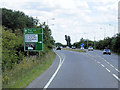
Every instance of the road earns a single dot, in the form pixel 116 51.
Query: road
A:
pixel 80 70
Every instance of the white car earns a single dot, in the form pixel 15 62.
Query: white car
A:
pixel 73 47
pixel 67 47
pixel 61 47
pixel 90 49
pixel 107 51
pixel 82 48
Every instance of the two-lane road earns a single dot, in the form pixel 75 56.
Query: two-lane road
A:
pixel 83 70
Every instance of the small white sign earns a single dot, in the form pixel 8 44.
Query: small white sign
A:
pixel 40 42
pixel 30 48
pixel 31 37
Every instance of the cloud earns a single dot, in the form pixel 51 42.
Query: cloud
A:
pixel 72 17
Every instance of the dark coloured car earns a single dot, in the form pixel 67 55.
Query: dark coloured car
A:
pixel 58 48
pixel 107 51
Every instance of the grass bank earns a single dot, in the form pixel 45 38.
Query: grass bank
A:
pixel 25 72
pixel 77 50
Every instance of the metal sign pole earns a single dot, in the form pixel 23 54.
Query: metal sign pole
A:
pixel 39 54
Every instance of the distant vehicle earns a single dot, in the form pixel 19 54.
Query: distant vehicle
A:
pixel 107 51
pixel 73 47
pixel 30 48
pixel 67 47
pixel 90 49
pixel 58 48
pixel 82 48
pixel 61 47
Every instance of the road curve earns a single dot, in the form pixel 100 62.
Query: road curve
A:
pixel 79 70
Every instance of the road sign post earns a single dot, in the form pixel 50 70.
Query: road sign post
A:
pixel 33 39
pixel 82 45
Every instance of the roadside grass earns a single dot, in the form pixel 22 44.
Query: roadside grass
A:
pixel 74 50
pixel 0 57
pixel 25 72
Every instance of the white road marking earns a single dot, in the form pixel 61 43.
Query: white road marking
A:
pixel 108 62
pixel 102 65
pixel 116 77
pixel 108 70
pixel 53 76
pixel 117 69
pixel 98 62
pixel 111 65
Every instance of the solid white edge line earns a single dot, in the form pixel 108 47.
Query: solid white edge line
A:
pixel 116 77
pixel 53 76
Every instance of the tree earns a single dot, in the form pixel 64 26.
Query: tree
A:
pixel 17 20
pixel 14 23
pixel 58 44
pixel 68 40
pixel 116 44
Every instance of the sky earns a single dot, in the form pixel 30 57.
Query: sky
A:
pixel 88 19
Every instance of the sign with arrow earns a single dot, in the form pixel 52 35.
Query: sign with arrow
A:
pixel 82 45
pixel 33 39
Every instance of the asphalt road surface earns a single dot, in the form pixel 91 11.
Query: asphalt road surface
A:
pixel 80 70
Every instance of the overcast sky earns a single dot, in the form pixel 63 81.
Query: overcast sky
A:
pixel 76 18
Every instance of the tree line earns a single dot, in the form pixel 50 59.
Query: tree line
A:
pixel 17 20
pixel 111 43
pixel 13 24
pixel 68 40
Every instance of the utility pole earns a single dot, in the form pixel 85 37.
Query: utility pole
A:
pixel 87 38
pixel 94 43
pixel 87 43
pixel 104 31
pixel 50 19
pixel 39 54
pixel 113 28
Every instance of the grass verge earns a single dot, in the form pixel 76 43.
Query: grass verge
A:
pixel 25 72
pixel 74 50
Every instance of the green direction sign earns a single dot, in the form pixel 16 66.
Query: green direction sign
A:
pixel 33 39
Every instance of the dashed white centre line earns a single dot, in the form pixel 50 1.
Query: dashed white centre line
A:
pixel 98 62
pixel 102 65
pixel 107 69
pixel 108 62
pixel 117 69
pixel 111 65
pixel 104 59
